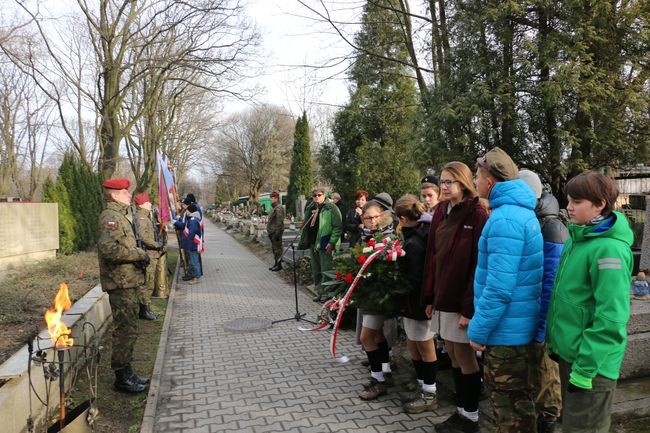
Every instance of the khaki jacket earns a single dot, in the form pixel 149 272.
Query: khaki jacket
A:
pixel 118 254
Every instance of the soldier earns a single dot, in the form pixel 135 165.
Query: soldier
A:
pixel 160 279
pixel 122 268
pixel 150 242
pixel 275 228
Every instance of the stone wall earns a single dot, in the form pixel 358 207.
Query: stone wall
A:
pixel 29 232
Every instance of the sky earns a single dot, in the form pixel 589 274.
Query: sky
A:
pixel 292 37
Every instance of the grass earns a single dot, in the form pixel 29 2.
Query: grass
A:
pixel 123 412
pixel 25 294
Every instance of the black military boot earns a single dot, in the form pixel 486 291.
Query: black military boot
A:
pixel 126 381
pixel 273 267
pixel 146 313
pixel 136 378
pixel 545 425
pixel 277 267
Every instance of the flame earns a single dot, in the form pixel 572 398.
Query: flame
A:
pixel 59 333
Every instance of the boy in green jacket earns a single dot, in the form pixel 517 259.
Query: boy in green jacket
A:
pixel 590 305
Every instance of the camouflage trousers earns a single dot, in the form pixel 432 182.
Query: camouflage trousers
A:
pixel 145 291
pixel 589 410
pixel 545 380
pixel 276 247
pixel 124 306
pixel 508 385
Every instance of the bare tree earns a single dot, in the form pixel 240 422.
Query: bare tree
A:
pixel 24 132
pixel 137 47
pixel 255 146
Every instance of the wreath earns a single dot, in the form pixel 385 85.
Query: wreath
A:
pixel 380 285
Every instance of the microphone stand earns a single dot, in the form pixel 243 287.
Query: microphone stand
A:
pixel 298 316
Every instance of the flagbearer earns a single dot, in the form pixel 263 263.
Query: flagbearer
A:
pixel 153 247
pixel 122 269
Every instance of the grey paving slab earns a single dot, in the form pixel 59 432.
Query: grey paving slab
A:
pixel 278 379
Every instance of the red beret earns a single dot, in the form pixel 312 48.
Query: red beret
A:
pixel 141 198
pixel 275 194
pixel 117 183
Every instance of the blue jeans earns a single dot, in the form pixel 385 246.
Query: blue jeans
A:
pixel 194 270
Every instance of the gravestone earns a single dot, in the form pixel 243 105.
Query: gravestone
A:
pixel 300 207
pixel 644 263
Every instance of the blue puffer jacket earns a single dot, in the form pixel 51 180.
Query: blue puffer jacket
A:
pixel 508 277
pixel 555 235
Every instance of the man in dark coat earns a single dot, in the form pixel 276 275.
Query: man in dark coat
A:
pixel 275 228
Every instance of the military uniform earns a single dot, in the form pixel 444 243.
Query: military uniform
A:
pixel 150 242
pixel 121 274
pixel 275 228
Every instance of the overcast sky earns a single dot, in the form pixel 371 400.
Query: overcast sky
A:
pixel 291 38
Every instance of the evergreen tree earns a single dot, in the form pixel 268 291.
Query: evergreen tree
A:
pixel 377 134
pixel 85 198
pixel 55 192
pixel 300 175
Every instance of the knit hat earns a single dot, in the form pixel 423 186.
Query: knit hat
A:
pixel 384 200
pixel 430 179
pixel 499 164
pixel 533 181
pixel 116 183
pixel 188 201
pixel 141 198
pixel 191 197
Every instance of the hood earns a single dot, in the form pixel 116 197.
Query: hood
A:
pixel 512 192
pixel 547 205
pixel 196 215
pixel 620 230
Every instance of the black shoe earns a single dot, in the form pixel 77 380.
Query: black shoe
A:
pixel 546 425
pixel 457 423
pixel 136 378
pixel 147 314
pixel 187 278
pixel 126 381
pixel 276 267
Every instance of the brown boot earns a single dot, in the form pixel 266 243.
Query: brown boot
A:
pixel 373 390
pixel 426 402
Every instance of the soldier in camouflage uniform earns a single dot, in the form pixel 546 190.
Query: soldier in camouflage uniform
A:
pixel 121 270
pixel 275 228
pixel 149 240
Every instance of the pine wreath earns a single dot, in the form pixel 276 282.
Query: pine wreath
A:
pixel 381 285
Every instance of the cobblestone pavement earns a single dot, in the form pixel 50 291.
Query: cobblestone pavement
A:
pixel 277 379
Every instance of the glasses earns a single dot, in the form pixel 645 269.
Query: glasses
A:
pixel 317 194
pixel 448 182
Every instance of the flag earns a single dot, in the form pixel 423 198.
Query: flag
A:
pixel 166 190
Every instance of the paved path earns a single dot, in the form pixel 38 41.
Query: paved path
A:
pixel 275 380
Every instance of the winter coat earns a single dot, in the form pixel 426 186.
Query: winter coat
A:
pixel 411 267
pixel 590 304
pixel 508 278
pixel 451 256
pixel 120 260
pixel 191 234
pixel 351 226
pixel 555 235
pixel 329 226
